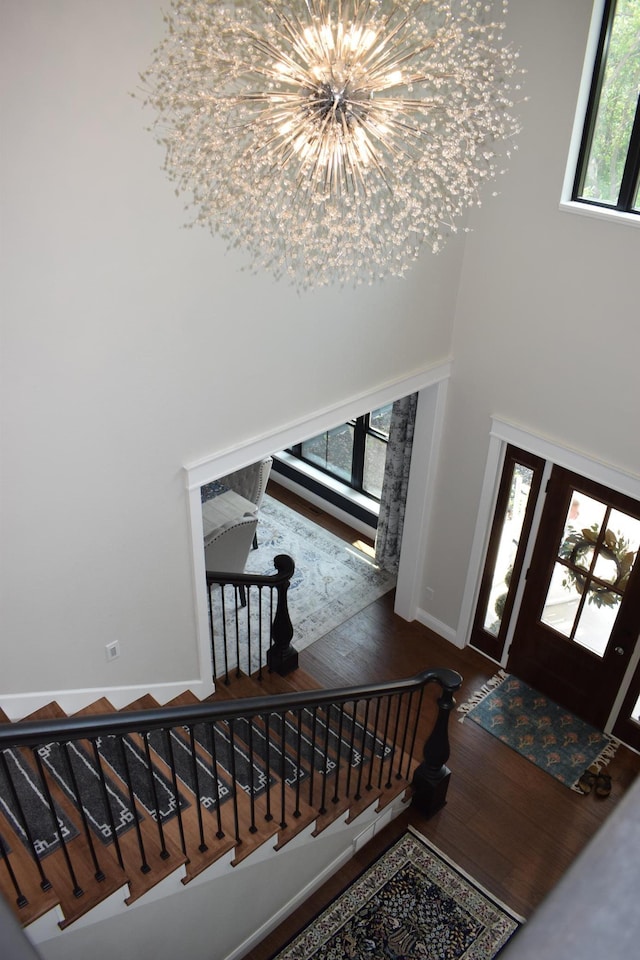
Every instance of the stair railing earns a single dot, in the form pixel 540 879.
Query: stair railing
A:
pixel 191 782
pixel 249 622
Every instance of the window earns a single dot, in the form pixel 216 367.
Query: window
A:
pixel 354 453
pixel 608 169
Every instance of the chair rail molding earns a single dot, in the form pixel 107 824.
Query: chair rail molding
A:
pixel 430 384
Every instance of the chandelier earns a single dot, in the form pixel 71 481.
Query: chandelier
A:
pixel 332 139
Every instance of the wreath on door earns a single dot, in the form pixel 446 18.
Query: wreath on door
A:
pixel 577 548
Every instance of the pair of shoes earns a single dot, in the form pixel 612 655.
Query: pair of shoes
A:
pixel 603 785
pixel 593 778
pixel 588 779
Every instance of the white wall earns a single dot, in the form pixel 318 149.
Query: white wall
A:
pixel 132 347
pixel 547 331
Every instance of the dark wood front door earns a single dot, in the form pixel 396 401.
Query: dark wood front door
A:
pixel 580 615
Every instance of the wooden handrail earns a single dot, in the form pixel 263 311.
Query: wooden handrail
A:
pixel 29 733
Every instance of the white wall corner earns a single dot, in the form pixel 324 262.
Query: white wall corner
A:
pixel 442 629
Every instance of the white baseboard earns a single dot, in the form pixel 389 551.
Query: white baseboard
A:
pixel 19 705
pixel 442 629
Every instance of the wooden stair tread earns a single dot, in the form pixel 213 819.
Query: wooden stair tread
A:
pixel 243 823
pixel 55 866
pixel 140 880
pixel 39 901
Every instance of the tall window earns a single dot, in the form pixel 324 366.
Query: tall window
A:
pixel 608 173
pixel 353 453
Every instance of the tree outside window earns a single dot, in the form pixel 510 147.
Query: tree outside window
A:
pixel 609 162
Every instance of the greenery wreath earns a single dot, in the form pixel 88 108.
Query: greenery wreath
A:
pixel 577 547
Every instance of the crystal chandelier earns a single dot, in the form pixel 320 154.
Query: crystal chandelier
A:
pixel 332 138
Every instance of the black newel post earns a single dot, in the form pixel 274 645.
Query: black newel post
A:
pixel 282 658
pixel 431 778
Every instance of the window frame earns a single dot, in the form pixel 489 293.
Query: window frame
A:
pixel 362 429
pixel 600 30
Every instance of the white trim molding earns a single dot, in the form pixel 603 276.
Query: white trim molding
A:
pixel 430 383
pixel 19 705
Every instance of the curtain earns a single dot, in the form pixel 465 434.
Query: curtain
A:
pixel 395 483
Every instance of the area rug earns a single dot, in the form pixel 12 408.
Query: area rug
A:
pixel 538 729
pixel 333 580
pixel 412 903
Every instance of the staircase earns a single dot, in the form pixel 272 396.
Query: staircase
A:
pixel 107 806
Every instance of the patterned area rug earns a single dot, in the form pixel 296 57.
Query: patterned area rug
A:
pixel 333 580
pixel 537 728
pixel 411 904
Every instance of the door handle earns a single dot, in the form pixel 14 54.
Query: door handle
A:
pixel 620 651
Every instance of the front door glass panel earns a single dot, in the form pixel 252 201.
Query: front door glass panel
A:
pixel 519 491
pixel 597 551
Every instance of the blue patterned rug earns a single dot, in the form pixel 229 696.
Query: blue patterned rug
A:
pixel 537 728
pixel 412 903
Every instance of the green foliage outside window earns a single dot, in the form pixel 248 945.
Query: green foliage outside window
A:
pixel 612 129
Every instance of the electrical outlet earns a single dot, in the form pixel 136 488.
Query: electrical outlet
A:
pixel 112 650
pixel 429 595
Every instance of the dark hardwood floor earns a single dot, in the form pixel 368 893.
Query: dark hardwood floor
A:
pixel 511 826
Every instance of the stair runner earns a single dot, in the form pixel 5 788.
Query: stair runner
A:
pixel 140 838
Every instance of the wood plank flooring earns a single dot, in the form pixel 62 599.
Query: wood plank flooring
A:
pixel 510 825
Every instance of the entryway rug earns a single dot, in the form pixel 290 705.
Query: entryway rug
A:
pixel 538 729
pixel 412 903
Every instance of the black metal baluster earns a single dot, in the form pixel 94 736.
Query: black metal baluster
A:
pixel 21 900
pixel 354 723
pixel 373 744
pixel 202 846
pixel 249 631
pixel 77 800
pixel 267 722
pixel 174 783
pixel 365 724
pixel 325 764
pixel 336 792
pixel 236 591
pixel 77 889
pixel 107 803
pixel 164 853
pixel 260 589
pixel 225 648
pixel 394 742
pixel 283 772
pixel 271 616
pixel 252 799
pixel 232 751
pixel 144 866
pixel 297 812
pixel 214 771
pixel 212 635
pixel 407 702
pixel 383 749
pixel 45 883
pixel 314 728
pixel 415 732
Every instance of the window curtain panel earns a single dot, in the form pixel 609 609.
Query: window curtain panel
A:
pixel 395 483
